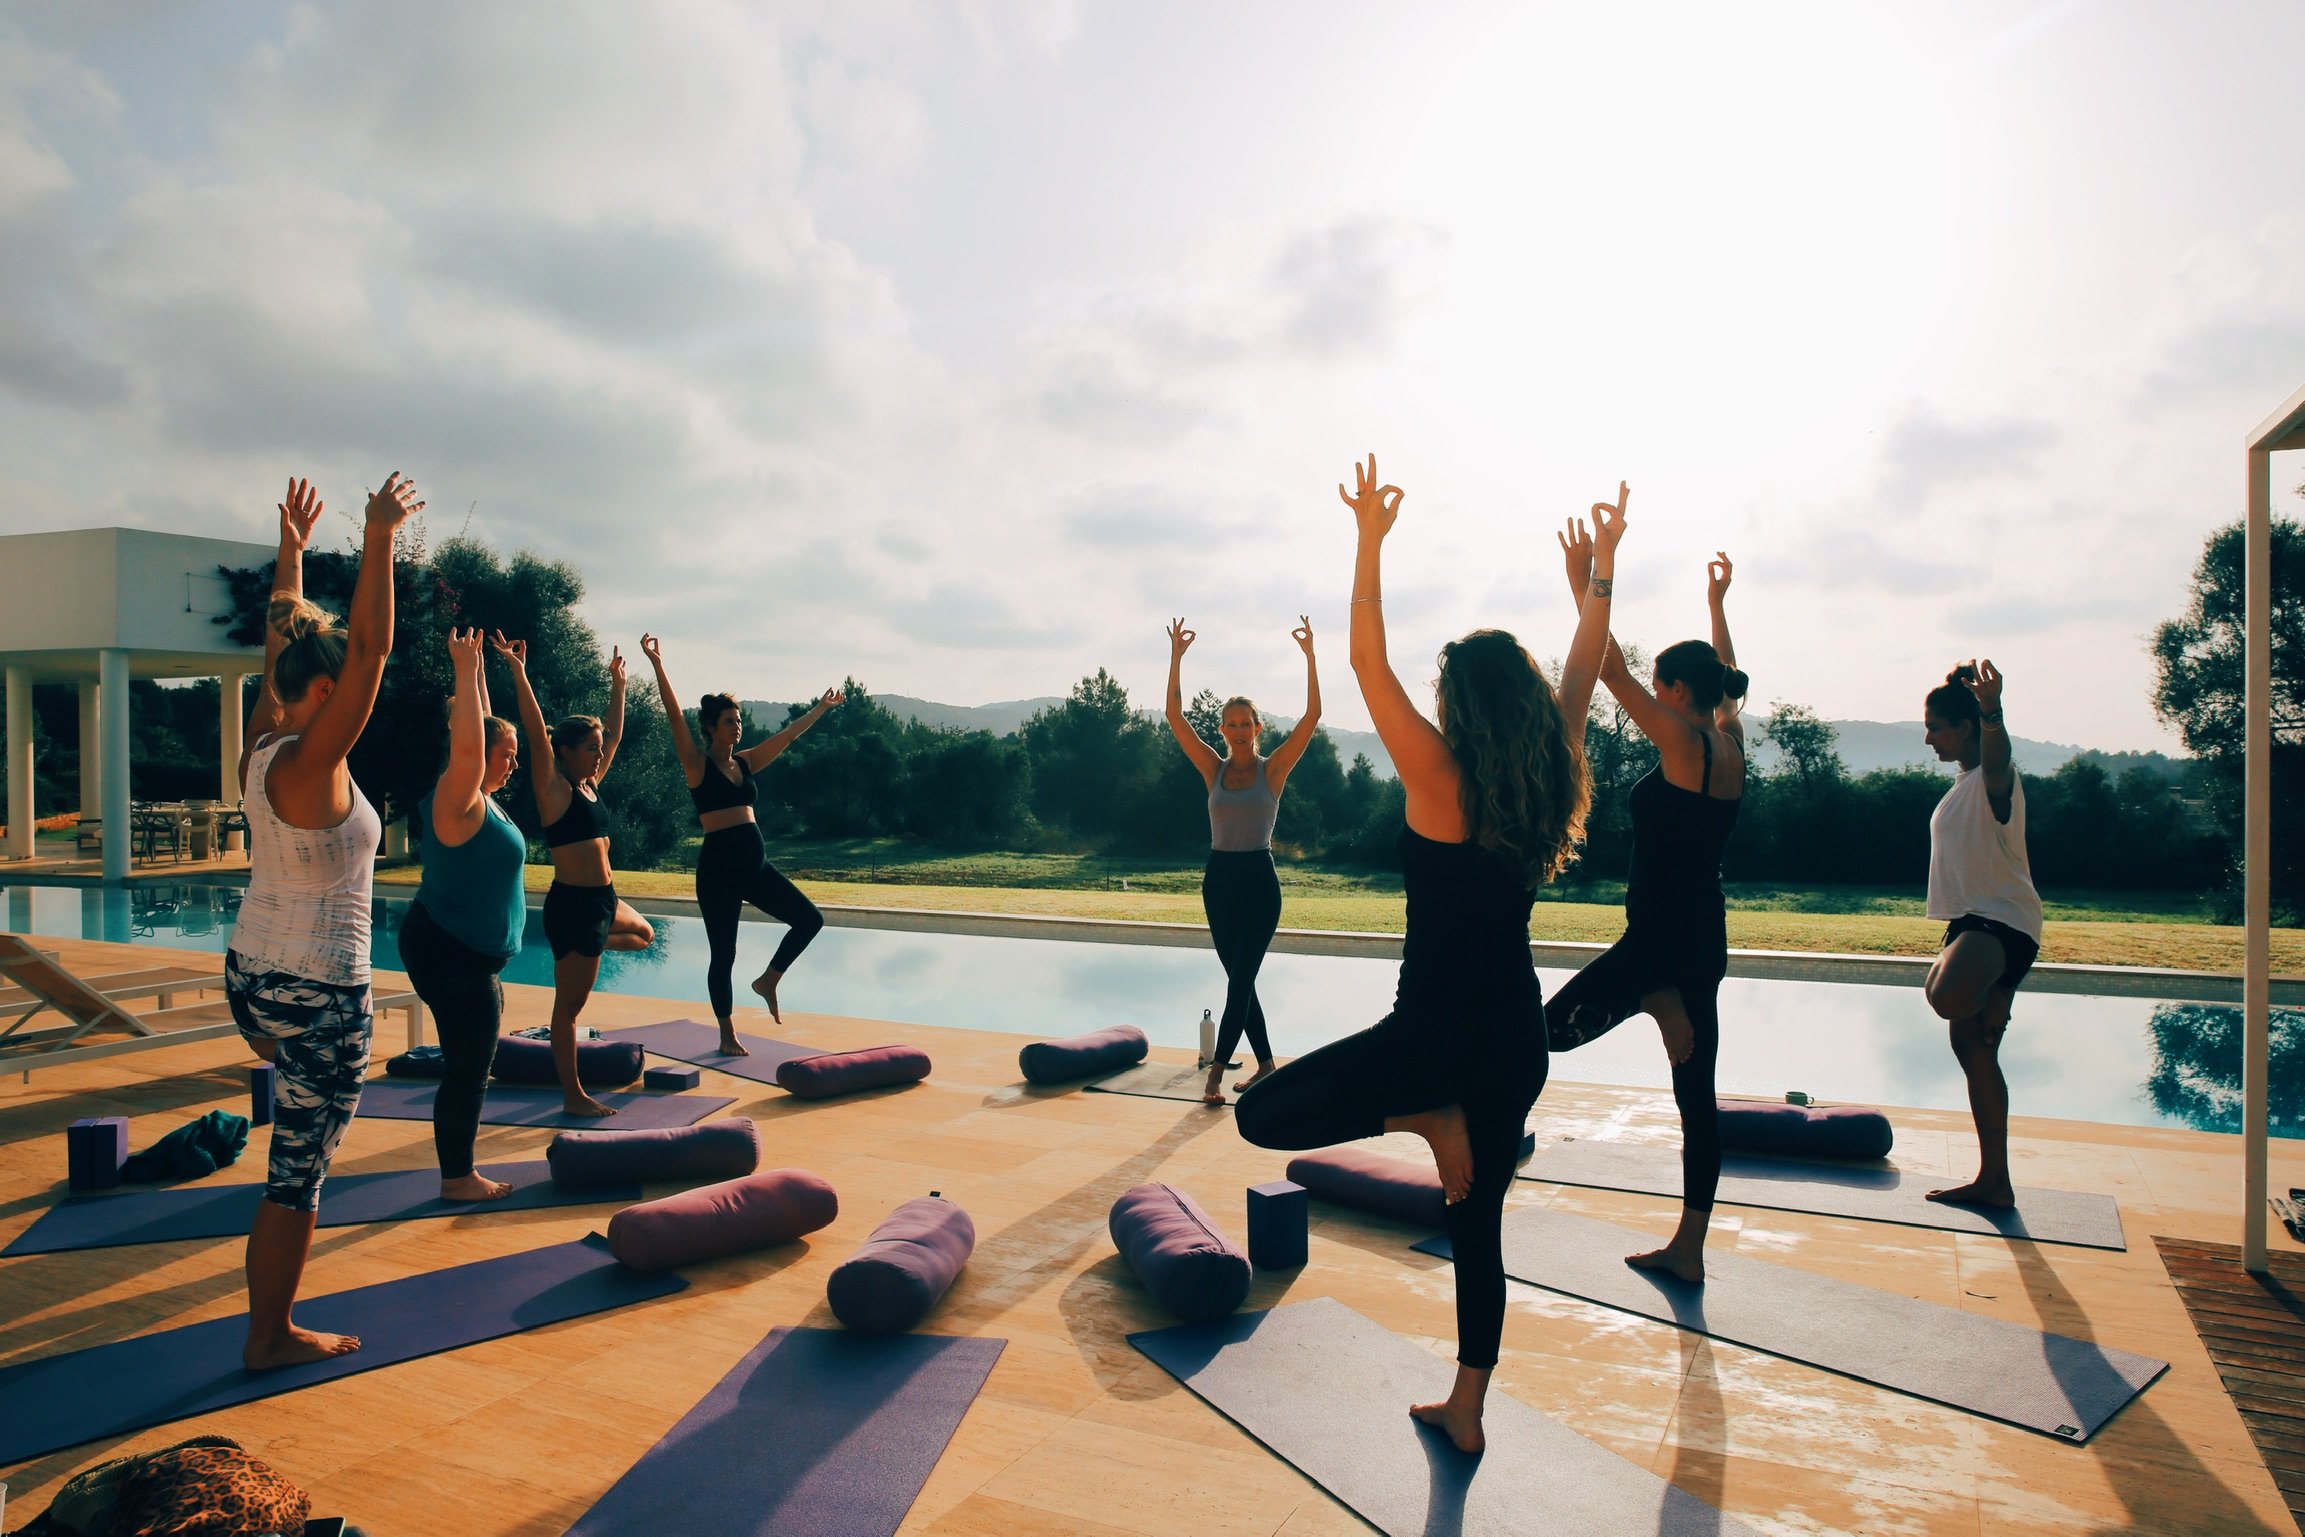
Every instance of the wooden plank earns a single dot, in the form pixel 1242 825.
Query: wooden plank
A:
pixel 2254 1330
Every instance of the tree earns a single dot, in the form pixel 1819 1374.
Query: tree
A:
pixel 1206 715
pixel 1810 745
pixel 1092 757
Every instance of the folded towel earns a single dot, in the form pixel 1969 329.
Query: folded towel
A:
pixel 191 1151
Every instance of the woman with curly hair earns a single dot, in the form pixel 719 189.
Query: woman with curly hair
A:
pixel 1497 794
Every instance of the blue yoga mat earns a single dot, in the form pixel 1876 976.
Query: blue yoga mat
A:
pixel 684 1040
pixel 224 1211
pixel 111 1390
pixel 508 1104
pixel 816 1433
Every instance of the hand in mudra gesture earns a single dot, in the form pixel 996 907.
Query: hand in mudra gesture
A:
pixel 514 652
pixel 653 649
pixel 1303 634
pixel 464 648
pixel 1985 682
pixel 1180 638
pixel 1718 571
pixel 616 667
pixel 1576 555
pixel 298 513
pixel 1609 521
pixel 1374 506
pixel 829 698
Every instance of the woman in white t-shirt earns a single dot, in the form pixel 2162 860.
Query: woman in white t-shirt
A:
pixel 1981 884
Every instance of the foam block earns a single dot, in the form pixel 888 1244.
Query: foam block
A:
pixel 260 1094
pixel 94 1150
pixel 1804 1131
pixel 709 1150
pixel 1188 1265
pixel 674 1078
pixel 606 1064
pixel 1082 1056
pixel 713 1221
pixel 1279 1216
pixel 849 1072
pixel 1390 1187
pixel 909 1262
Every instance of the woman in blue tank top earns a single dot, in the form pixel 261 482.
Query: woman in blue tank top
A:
pixel 1240 889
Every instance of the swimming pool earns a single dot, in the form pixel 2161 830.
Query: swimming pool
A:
pixel 2126 1060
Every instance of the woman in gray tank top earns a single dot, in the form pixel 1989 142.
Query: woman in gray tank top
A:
pixel 1240 890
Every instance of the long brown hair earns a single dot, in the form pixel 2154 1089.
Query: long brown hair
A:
pixel 1525 790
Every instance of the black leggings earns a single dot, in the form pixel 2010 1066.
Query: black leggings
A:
pixel 732 869
pixel 1241 893
pixel 1649 959
pixel 1345 1090
pixel 459 985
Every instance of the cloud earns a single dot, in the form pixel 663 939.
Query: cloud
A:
pixel 1925 453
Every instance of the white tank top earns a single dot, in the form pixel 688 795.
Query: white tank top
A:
pixel 1977 862
pixel 306 912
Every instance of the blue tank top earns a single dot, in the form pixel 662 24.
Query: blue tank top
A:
pixel 473 890
pixel 1241 821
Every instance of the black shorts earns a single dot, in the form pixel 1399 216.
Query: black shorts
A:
pixel 577 918
pixel 2021 948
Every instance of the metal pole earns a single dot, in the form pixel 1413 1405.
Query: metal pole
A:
pixel 112 703
pixel 20 810
pixel 2257 846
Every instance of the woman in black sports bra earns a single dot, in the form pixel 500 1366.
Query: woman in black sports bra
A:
pixel 732 868
pixel 1675 950
pixel 582 913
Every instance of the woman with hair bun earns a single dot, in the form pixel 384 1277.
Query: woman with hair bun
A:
pixel 732 868
pixel 1497 794
pixel 1240 890
pixel 582 913
pixel 1675 948
pixel 297 974
pixel 1981 884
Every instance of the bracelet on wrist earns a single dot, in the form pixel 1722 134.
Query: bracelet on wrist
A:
pixel 1992 718
pixel 1368 600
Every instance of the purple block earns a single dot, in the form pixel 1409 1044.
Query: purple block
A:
pixel 909 1262
pixel 675 1078
pixel 94 1150
pixel 260 1094
pixel 1280 1214
pixel 847 1072
pixel 1189 1266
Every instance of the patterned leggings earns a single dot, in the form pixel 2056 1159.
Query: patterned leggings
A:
pixel 320 1033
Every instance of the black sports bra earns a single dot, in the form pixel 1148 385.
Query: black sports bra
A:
pixel 580 823
pixel 714 792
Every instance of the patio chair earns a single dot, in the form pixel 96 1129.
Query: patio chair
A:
pixel 88 837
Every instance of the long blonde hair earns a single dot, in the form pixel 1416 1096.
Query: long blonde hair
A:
pixel 1525 790
pixel 315 648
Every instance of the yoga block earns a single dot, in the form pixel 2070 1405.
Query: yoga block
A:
pixel 1804 1131
pixel 848 1072
pixel 260 1094
pixel 94 1150
pixel 1528 1147
pixel 909 1262
pixel 709 1150
pixel 671 1078
pixel 1100 1051
pixel 599 1064
pixel 1390 1187
pixel 714 1221
pixel 1280 1215
pixel 1190 1267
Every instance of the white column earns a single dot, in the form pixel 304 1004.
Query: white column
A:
pixel 231 714
pixel 91 753
pixel 20 809
pixel 112 676
pixel 2257 851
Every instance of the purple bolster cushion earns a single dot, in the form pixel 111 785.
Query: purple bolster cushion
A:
pixel 772 1207
pixel 845 1072
pixel 1391 1187
pixel 1804 1131
pixel 610 1063
pixel 1191 1269
pixel 1099 1051
pixel 708 1150
pixel 909 1262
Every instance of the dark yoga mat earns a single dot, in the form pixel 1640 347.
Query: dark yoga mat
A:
pixel 684 1040
pixel 1329 1390
pixel 816 1433
pixel 224 1211
pixel 1157 1080
pixel 510 1104
pixel 112 1390
pixel 2059 1386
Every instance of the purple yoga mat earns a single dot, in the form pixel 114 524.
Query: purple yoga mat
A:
pixel 816 1433
pixel 111 1390
pixel 224 1211
pixel 684 1040
pixel 410 1099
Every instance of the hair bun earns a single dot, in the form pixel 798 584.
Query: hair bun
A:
pixel 295 618
pixel 1734 683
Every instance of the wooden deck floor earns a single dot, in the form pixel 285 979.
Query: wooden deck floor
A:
pixel 2254 1329
pixel 1077 1434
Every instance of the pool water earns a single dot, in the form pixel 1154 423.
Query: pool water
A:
pixel 2125 1060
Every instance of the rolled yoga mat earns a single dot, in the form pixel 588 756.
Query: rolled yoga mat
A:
pixel 346 1200
pixel 1328 1391
pixel 2059 1386
pixel 395 1099
pixel 2075 1217
pixel 684 1040
pixel 816 1432
pixel 111 1390
pixel 1156 1080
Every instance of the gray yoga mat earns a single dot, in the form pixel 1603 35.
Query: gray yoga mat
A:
pixel 684 1040
pixel 1329 1390
pixel 2059 1386
pixel 512 1104
pixel 1156 1080
pixel 816 1433
pixel 1837 1190
pixel 347 1200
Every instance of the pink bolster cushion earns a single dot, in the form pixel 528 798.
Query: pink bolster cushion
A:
pixel 1372 1181
pixel 846 1072
pixel 711 1221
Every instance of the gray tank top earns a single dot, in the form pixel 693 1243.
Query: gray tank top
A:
pixel 1241 821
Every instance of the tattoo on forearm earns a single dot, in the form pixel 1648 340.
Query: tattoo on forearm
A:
pixel 1603 586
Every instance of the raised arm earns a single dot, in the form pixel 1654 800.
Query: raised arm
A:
pixel 343 715
pixel 1203 756
pixel 1285 756
pixel 683 740
pixel 544 777
pixel 612 720
pixel 299 512
pixel 1993 738
pixel 457 808
pixel 1718 572
pixel 762 753
pixel 1420 754
pixel 1587 647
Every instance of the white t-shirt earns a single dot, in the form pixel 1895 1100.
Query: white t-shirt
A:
pixel 1977 862
pixel 306 911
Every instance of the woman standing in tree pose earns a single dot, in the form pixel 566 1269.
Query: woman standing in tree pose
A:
pixel 732 868
pixel 1240 890
pixel 465 924
pixel 582 914
pixel 297 974
pixel 1675 949
pixel 1497 795
pixel 1981 882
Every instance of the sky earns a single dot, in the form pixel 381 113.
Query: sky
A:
pixel 958 347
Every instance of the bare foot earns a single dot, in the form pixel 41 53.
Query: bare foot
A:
pixel 295 1348
pixel 1444 1132
pixel 474 1187
pixel 765 985
pixel 1264 1070
pixel 730 1046
pixel 1214 1092
pixel 585 1104
pixel 1463 1426
pixel 1690 1270
pixel 1977 1192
